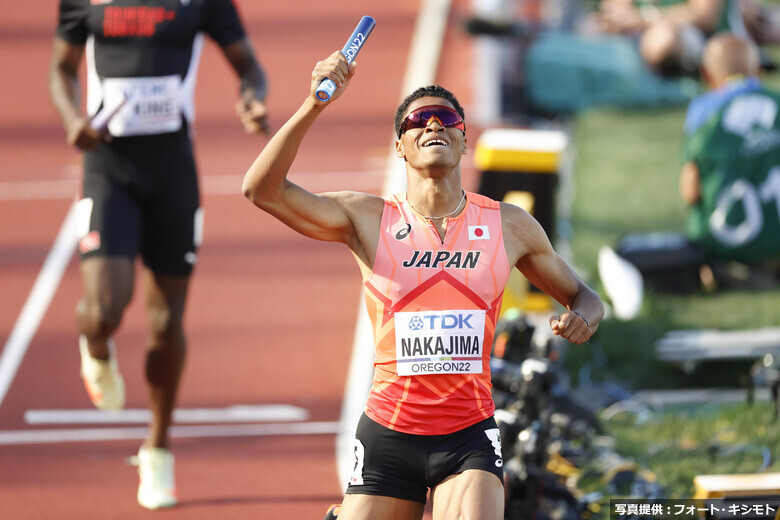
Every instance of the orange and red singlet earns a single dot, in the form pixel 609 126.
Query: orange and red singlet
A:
pixel 434 306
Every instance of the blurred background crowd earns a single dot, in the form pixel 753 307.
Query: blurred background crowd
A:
pixel 668 204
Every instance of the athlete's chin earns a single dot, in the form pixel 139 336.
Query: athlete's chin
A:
pixel 437 167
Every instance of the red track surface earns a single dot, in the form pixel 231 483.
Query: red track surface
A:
pixel 271 314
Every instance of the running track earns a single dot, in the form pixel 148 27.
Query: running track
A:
pixel 271 316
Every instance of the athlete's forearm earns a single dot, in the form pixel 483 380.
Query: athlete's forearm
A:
pixel 265 179
pixel 64 92
pixel 249 71
pixel 253 83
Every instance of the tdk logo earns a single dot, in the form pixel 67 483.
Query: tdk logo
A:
pixel 441 322
pixel 416 323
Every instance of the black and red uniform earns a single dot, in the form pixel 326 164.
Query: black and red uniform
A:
pixel 140 191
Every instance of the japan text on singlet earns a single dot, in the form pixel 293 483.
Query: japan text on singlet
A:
pixel 434 307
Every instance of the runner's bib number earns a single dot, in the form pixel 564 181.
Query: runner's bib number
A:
pixel 439 342
pixel 152 105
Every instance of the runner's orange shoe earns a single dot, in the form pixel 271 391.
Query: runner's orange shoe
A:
pixel 102 379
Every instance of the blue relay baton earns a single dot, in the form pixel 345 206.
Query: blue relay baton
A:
pixel 350 50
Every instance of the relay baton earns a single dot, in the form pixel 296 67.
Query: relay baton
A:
pixel 102 118
pixel 350 50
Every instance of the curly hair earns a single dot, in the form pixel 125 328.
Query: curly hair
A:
pixel 429 91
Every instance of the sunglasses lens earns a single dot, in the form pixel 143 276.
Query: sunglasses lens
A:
pixel 444 115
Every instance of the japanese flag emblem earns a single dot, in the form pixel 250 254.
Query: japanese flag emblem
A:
pixel 479 233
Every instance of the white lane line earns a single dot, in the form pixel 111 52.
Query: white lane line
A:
pixel 230 414
pixel 38 301
pixel 57 189
pixel 427 41
pixel 422 63
pixel 38 190
pixel 368 180
pixel 19 437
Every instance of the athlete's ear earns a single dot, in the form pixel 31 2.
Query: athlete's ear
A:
pixel 465 146
pixel 399 149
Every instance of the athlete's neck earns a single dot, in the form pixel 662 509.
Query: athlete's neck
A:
pixel 435 197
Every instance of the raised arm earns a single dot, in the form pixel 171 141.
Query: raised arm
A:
pixel 64 92
pixel 529 248
pixel 327 216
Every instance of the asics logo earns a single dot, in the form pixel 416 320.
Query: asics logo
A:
pixel 403 232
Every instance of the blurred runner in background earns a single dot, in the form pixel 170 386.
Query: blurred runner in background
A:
pixel 140 188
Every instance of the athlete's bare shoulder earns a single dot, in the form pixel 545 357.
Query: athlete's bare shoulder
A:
pixel 515 219
pixel 522 232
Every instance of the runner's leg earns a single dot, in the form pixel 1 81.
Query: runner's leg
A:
pixel 108 288
pixel 372 507
pixel 471 495
pixel 166 350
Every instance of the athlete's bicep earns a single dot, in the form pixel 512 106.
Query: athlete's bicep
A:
pixel 66 56
pixel 325 216
pixel 529 248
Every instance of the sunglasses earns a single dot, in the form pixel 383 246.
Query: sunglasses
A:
pixel 420 118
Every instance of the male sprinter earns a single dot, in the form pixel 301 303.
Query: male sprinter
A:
pixel 434 262
pixel 140 190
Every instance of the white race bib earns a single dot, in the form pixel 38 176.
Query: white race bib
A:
pixel 439 342
pixel 152 105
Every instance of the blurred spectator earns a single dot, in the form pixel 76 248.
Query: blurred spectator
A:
pixel 672 33
pixel 730 180
pixel 730 176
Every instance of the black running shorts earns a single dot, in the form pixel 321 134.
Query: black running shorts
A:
pixel 140 196
pixel 402 465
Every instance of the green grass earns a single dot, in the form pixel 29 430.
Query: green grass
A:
pixel 625 170
pixel 626 181
pixel 726 439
